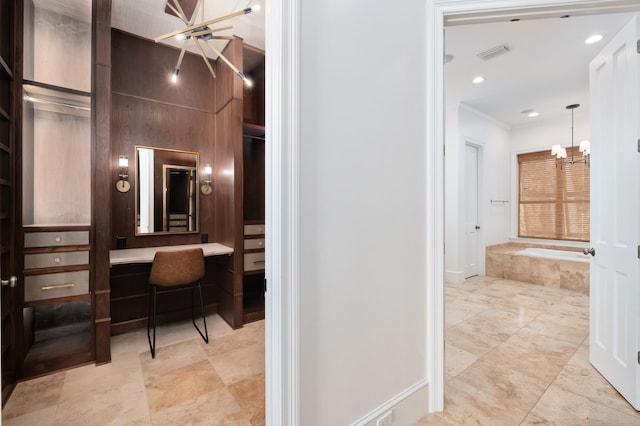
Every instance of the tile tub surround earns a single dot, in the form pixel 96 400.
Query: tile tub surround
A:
pixel 503 261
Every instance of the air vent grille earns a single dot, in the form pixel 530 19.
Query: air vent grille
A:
pixel 493 52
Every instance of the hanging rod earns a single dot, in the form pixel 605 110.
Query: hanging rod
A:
pixel 254 137
pixel 36 100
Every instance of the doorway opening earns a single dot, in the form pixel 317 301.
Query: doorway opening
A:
pixel 453 15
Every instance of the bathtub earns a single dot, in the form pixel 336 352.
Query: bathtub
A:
pixel 551 266
pixel 554 254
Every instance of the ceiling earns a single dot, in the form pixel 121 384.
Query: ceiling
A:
pixel 546 68
pixel 148 19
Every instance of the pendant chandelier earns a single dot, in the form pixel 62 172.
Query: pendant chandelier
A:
pixel 201 34
pixel 561 153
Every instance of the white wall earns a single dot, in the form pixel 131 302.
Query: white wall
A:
pixel 363 208
pixel 464 124
pixel 541 134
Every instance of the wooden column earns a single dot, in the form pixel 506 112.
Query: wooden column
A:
pixel 102 177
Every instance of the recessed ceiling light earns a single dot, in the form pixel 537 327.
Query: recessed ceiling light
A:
pixel 593 39
pixel 478 80
pixel 530 113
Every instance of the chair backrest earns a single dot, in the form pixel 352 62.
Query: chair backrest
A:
pixel 172 268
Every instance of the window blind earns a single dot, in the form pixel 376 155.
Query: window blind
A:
pixel 553 202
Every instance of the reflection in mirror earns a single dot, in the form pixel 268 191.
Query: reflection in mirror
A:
pixel 166 191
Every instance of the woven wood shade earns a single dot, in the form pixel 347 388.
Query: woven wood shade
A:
pixel 553 202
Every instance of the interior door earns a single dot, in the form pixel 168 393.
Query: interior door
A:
pixel 471 226
pixel 615 190
pixel 8 291
pixel 8 297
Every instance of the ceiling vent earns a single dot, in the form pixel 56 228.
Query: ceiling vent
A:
pixel 493 52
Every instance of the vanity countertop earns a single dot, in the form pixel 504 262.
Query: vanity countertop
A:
pixel 146 254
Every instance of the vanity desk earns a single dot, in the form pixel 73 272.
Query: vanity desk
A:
pixel 129 288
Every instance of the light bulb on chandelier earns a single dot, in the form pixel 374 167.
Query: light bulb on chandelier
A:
pixel 561 153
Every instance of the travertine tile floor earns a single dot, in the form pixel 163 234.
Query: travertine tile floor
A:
pixel 189 382
pixel 517 354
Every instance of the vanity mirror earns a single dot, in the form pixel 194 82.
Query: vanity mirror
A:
pixel 166 191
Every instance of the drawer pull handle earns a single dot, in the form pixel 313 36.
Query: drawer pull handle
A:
pixel 57 286
pixel 57 260
pixel 58 239
pixel 258 261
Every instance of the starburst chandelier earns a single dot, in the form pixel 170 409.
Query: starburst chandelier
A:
pixel 201 33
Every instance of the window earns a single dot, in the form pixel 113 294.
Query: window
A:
pixel 553 202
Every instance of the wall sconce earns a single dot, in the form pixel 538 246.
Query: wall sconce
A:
pixel 123 184
pixel 206 186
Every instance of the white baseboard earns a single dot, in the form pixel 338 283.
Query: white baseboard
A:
pixel 408 407
pixel 454 277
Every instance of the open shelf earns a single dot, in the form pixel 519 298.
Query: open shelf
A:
pixel 59 348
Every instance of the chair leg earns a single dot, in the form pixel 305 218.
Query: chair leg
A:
pixel 150 317
pixel 204 336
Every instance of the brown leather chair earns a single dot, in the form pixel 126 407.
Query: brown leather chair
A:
pixel 175 271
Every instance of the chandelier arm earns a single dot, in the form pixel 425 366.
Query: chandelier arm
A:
pixel 178 11
pixel 210 31
pixel 204 57
pixel 202 24
pixel 226 61
pixel 181 57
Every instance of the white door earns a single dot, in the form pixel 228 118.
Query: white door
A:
pixel 470 209
pixel 615 234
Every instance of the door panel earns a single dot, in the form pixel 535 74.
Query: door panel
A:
pixel 8 292
pixel 471 228
pixel 615 187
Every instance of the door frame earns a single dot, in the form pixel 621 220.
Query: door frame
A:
pixel 464 11
pixel 282 207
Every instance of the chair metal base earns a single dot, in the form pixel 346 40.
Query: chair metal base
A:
pixel 154 290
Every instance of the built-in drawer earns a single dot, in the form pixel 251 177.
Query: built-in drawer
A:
pixel 50 286
pixel 254 229
pixel 254 243
pixel 53 239
pixel 254 261
pixel 50 260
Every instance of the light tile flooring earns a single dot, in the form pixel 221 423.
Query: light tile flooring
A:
pixel 517 354
pixel 189 382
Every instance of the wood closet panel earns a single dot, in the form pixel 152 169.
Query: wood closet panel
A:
pixel 147 109
pixel 143 68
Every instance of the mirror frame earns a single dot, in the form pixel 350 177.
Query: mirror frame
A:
pixel 137 192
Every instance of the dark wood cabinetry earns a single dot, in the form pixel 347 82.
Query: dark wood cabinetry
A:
pixel 254 227
pixel 10 26
pixel 57 298
pixel 253 186
pixel 240 219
